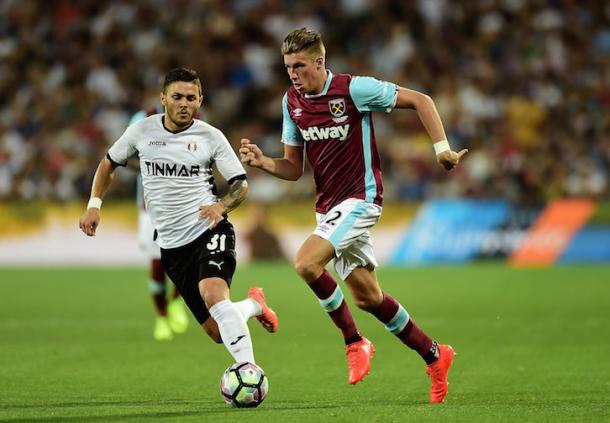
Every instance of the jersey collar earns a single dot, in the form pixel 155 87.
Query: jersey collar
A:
pixel 174 132
pixel 329 78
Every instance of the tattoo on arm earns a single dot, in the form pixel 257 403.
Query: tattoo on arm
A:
pixel 237 193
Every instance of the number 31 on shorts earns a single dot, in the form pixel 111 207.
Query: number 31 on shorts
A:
pixel 218 242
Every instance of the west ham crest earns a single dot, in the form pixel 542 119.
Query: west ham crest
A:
pixel 337 107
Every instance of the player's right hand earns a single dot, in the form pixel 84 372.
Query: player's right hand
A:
pixel 250 154
pixel 89 221
pixel 450 159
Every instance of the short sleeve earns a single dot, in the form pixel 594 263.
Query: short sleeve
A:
pixel 372 95
pixel 290 131
pixel 225 158
pixel 124 148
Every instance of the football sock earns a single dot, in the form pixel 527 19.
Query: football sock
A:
pixel 248 308
pixel 332 300
pixel 233 331
pixel 433 354
pixel 397 321
pixel 157 287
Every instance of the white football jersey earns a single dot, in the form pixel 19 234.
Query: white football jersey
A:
pixel 176 173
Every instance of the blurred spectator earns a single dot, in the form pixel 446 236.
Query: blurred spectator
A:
pixel 264 243
pixel 524 84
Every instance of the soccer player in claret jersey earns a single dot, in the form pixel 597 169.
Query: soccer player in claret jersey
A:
pixel 171 316
pixel 330 118
pixel 170 313
pixel 197 241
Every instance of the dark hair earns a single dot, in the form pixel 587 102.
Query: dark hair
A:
pixel 181 74
pixel 303 39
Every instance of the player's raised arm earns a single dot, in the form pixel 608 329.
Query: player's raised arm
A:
pixel 289 167
pixel 424 105
pixel 90 220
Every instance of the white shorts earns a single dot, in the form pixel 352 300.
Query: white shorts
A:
pixel 346 226
pixel 146 233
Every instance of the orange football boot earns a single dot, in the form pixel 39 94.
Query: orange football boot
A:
pixel 267 318
pixel 359 355
pixel 438 373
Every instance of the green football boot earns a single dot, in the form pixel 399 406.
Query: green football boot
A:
pixel 176 315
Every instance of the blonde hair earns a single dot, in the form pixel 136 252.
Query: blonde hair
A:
pixel 304 39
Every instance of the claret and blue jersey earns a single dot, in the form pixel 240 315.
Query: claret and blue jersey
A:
pixel 336 129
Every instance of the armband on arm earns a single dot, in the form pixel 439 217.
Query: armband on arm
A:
pixel 441 147
pixel 94 203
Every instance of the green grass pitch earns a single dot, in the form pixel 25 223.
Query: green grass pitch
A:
pixel 533 345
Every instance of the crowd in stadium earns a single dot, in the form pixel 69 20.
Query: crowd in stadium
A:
pixel 525 85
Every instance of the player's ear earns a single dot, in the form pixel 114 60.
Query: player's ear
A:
pixel 320 62
pixel 162 98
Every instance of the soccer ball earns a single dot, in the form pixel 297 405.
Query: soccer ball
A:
pixel 244 385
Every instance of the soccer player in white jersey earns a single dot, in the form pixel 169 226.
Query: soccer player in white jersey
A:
pixel 197 241
pixel 170 314
pixel 329 118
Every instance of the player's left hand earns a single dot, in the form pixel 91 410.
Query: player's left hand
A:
pixel 213 213
pixel 450 159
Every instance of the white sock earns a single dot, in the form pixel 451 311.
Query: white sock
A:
pixel 248 308
pixel 233 331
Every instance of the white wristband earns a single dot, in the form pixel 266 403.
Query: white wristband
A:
pixel 94 203
pixel 441 146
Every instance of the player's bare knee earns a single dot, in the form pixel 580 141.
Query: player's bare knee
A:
pixel 369 301
pixel 213 291
pixel 210 298
pixel 307 269
pixel 365 304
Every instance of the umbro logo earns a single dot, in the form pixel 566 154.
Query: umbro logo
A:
pixel 239 338
pixel 216 264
